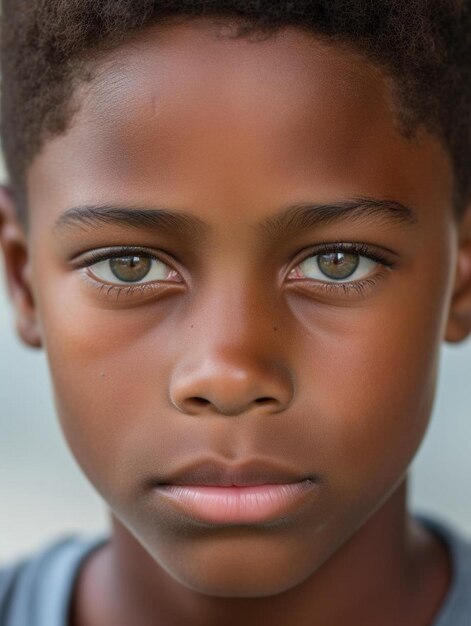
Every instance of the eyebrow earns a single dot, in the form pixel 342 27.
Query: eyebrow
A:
pixel 305 216
pixel 95 216
pixel 294 218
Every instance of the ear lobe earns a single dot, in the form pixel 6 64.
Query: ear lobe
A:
pixel 459 317
pixel 17 270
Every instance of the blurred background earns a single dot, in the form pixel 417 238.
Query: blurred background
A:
pixel 43 493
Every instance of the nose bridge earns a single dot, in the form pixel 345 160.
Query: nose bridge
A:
pixel 239 314
pixel 239 309
pixel 233 358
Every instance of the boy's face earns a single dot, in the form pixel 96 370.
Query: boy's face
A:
pixel 238 345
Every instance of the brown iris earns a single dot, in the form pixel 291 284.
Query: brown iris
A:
pixel 130 269
pixel 338 265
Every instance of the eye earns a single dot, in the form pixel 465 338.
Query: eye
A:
pixel 345 269
pixel 337 266
pixel 129 270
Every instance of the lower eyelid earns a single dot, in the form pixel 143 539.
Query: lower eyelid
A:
pixel 122 292
pixel 337 294
pixel 360 288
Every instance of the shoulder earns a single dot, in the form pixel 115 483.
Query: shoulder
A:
pixel 35 590
pixel 456 610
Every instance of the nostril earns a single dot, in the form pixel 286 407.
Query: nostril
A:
pixel 259 400
pixel 200 401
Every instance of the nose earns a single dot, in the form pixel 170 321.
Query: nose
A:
pixel 232 384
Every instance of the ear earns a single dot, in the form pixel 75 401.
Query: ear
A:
pixel 17 268
pixel 459 317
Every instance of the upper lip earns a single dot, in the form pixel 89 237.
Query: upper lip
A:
pixel 209 472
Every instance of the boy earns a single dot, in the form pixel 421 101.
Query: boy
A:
pixel 241 231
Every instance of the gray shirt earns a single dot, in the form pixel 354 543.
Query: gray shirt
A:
pixel 37 590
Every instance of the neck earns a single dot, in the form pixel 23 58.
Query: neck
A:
pixel 390 569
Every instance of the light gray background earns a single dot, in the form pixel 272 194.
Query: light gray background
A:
pixel 43 493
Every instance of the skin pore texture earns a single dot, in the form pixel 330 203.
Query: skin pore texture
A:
pixel 237 349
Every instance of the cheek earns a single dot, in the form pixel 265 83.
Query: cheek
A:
pixel 371 374
pixel 109 370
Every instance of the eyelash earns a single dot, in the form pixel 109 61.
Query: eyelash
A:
pixel 359 286
pixel 129 290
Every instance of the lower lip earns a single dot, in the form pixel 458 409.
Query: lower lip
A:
pixel 251 504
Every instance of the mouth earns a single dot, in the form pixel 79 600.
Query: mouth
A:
pixel 252 492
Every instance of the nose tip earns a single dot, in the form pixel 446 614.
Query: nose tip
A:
pixel 231 391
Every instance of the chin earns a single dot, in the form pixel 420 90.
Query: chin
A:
pixel 239 563
pixel 238 583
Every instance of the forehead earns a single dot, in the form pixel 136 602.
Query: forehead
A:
pixel 191 107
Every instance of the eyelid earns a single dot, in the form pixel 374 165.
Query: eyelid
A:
pixel 86 259
pixel 359 248
pixel 132 295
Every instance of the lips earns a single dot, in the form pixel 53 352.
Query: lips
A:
pixel 252 492
pixel 209 472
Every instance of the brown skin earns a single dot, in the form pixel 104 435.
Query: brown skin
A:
pixel 231 132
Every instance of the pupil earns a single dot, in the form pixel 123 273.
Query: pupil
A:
pixel 130 269
pixel 338 265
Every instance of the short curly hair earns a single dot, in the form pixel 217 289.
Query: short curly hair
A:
pixel 423 45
